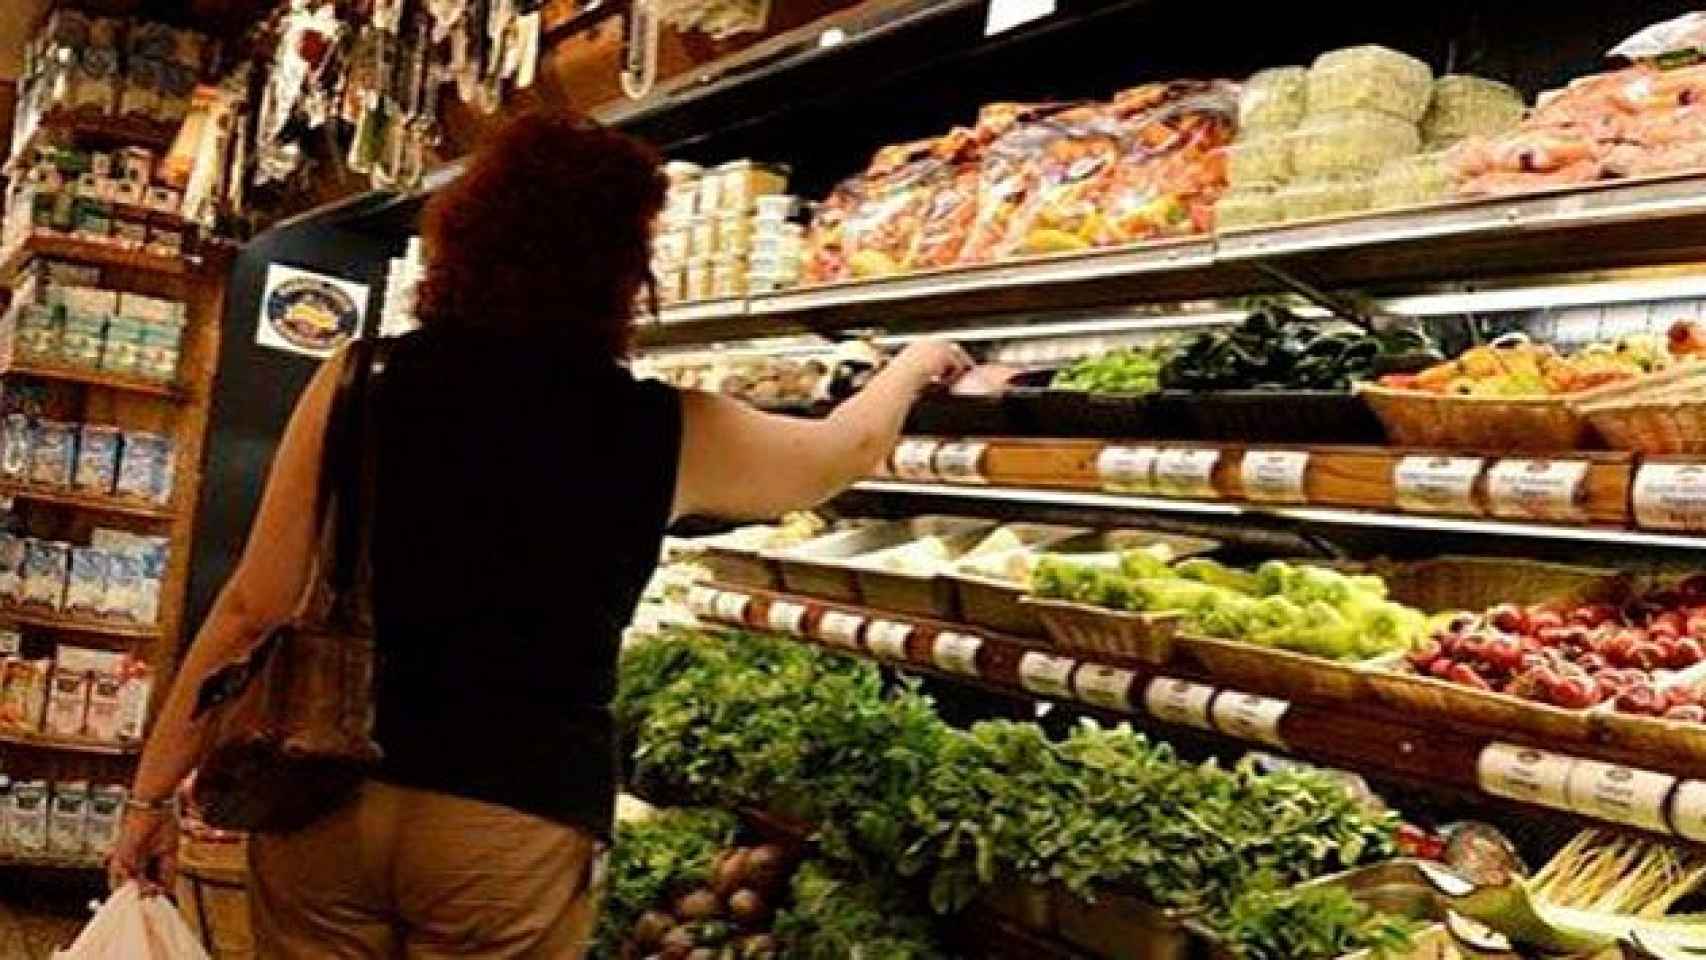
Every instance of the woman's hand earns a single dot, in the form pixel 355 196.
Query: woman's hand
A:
pixel 147 851
pixel 934 361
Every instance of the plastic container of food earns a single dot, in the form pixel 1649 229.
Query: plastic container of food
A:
pixel 1411 181
pixel 734 234
pixel 1465 106
pixel 1323 198
pixel 1260 161
pixel 1248 207
pixel 728 277
pixel 1350 143
pixel 1273 100
pixel 1370 78
pixel 743 181
pixel 699 279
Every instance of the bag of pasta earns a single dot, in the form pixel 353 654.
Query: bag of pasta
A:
pixel 881 230
pixel 1063 210
pixel 1008 171
pixel 952 206
pixel 1172 170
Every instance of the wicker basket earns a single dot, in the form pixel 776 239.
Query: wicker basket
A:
pixel 1397 686
pixel 1268 670
pixel 1476 583
pixel 1148 637
pixel 1660 414
pixel 1416 419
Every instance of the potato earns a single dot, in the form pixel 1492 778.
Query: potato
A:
pixel 650 929
pixel 748 908
pixel 767 867
pixel 729 873
pixel 677 944
pixel 698 905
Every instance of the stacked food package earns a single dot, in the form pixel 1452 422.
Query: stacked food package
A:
pixel 722 226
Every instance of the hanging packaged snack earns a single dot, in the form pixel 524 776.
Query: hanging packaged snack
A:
pixel 825 258
pixel 1172 169
pixel 952 208
pixel 880 234
pixel 1008 171
pixel 1064 210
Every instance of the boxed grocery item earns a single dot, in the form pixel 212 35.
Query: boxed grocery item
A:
pixel 158 350
pixel 27 816
pixel 149 309
pixel 123 597
pixel 105 813
pixel 1370 77
pixel 47 564
pixel 121 352
pixel 80 340
pixel 106 706
pixel 16 439
pixel 53 453
pixel 97 459
pixel 137 686
pixel 23 698
pixel 1273 101
pixel 67 703
pixel 145 467
pixel 67 829
pixel 86 588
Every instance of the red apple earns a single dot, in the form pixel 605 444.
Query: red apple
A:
pixel 1511 619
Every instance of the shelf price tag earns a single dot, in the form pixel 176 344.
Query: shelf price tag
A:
pixel 1688 810
pixel 1671 496
pixel 1626 795
pixel 1436 484
pixel 1526 774
pixel 1107 687
pixel 840 629
pixel 787 617
pixel 956 653
pixel 1127 469
pixel 887 639
pixel 702 601
pixel 1187 473
pixel 916 459
pixel 1248 716
pixel 1179 701
pixel 1538 490
pixel 732 607
pixel 1046 675
pixel 1275 476
pixel 961 461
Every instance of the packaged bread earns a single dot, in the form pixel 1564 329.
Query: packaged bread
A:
pixel 1370 77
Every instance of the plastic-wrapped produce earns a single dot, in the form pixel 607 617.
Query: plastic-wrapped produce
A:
pixel 1063 210
pixel 1352 142
pixel 1465 106
pixel 1370 78
pixel 825 258
pixel 1323 198
pixel 952 206
pixel 1273 100
pixel 1264 159
pixel 1244 207
pixel 1172 168
pixel 881 230
pixel 1411 181
pixel 1007 173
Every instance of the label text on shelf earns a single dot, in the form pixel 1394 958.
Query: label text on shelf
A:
pixel 1436 484
pixel 1187 473
pixel 1671 496
pixel 702 601
pixel 732 606
pixel 1275 476
pixel 1688 810
pixel 887 639
pixel 1179 701
pixel 1249 716
pixel 1526 774
pixel 1626 795
pixel 1538 490
pixel 787 617
pixel 916 459
pixel 961 461
pixel 1107 687
pixel 1127 469
pixel 1046 675
pixel 956 653
pixel 840 628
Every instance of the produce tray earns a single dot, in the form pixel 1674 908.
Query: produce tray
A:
pixel 948 415
pixel 1148 637
pixel 1396 685
pixel 1416 419
pixel 1278 416
pixel 1477 583
pixel 732 562
pixel 1268 670
pixel 921 594
pixel 819 567
pixel 1121 926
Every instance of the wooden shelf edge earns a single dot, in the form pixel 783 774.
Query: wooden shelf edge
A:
pixel 29 617
pixel 95 378
pixel 107 128
pixel 83 501
pixel 51 861
pixel 46 741
pixel 58 247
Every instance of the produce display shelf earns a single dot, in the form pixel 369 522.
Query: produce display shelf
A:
pixel 1581 494
pixel 61 247
pixel 85 501
pixel 1607 225
pixel 93 378
pixel 46 619
pixel 52 861
pixel 72 744
pixel 1403 746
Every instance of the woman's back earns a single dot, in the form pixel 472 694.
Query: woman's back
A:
pixel 522 497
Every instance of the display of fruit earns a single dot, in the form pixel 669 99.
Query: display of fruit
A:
pixel 1514 366
pixel 1273 349
pixel 1574 656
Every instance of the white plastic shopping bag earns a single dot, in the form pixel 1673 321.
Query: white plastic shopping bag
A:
pixel 130 926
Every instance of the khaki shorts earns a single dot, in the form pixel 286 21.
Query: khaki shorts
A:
pixel 418 874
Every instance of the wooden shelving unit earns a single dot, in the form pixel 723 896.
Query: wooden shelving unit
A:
pixel 95 130
pixel 53 861
pixel 71 744
pixel 48 620
pixel 60 247
pixel 95 503
pixel 93 378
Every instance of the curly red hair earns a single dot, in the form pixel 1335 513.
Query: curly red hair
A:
pixel 548 230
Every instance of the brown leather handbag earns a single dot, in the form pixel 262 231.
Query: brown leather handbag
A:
pixel 290 722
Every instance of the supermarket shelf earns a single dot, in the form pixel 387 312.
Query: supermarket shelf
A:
pixel 1327 515
pixel 93 378
pixel 88 252
pixel 96 130
pixel 52 861
pixel 30 617
pixel 72 744
pixel 85 501
pixel 1617 224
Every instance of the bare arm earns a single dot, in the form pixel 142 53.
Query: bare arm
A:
pixel 738 463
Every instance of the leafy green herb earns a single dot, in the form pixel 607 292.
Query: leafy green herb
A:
pixel 1318 923
pixel 653 860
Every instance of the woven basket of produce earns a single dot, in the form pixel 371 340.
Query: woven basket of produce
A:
pixel 1397 685
pixel 1270 670
pixel 1417 419
pixel 1477 583
pixel 1148 637
pixel 1664 413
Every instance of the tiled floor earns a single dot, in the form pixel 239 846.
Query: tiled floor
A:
pixel 42 913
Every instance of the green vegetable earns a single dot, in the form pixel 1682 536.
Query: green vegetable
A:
pixel 1320 923
pixel 1127 370
pixel 833 918
pixel 653 860
pixel 1273 349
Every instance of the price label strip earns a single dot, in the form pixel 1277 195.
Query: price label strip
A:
pixel 1127 469
pixel 787 617
pixel 1671 496
pixel 1106 687
pixel 1046 675
pixel 961 461
pixel 1248 716
pixel 1437 484
pixel 1179 701
pixel 1275 476
pixel 1626 795
pixel 840 629
pixel 732 607
pixel 1187 473
pixel 702 601
pixel 1526 774
pixel 888 639
pixel 1538 490
pixel 916 459
pixel 956 653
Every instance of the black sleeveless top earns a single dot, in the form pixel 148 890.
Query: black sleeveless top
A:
pixel 522 497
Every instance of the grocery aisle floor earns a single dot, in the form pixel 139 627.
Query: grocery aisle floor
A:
pixel 41 915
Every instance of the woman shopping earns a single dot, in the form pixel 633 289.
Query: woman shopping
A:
pixel 523 481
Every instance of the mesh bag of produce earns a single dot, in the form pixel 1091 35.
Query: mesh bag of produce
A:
pixel 1411 181
pixel 1351 143
pixel 1465 106
pixel 1008 171
pixel 880 232
pixel 1243 207
pixel 1173 166
pixel 1063 208
pixel 952 205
